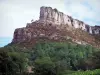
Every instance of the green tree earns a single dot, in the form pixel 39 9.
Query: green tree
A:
pixel 12 63
pixel 44 66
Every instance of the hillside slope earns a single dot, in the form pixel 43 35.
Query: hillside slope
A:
pixel 55 26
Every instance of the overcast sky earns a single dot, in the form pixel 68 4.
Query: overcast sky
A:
pixel 16 13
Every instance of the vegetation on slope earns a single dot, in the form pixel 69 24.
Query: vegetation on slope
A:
pixel 50 58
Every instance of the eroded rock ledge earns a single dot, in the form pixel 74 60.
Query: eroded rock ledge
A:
pixel 52 25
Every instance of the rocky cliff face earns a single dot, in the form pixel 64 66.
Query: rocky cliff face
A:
pixel 37 30
pixel 55 25
pixel 96 30
pixel 59 18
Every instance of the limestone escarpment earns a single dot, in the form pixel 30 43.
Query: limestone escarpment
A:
pixel 55 25
pixel 59 18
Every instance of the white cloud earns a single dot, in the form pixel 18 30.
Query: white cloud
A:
pixel 16 13
pixel 84 9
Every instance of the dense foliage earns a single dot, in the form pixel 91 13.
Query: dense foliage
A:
pixel 64 56
pixel 50 58
pixel 12 63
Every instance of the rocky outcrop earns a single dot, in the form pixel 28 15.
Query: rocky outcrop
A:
pixel 96 30
pixel 37 30
pixel 59 18
pixel 55 25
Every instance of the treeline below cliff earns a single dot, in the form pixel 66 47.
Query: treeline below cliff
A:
pixel 50 58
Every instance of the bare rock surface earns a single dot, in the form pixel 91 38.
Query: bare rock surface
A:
pixel 55 25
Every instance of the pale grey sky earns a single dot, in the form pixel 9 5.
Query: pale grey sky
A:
pixel 16 13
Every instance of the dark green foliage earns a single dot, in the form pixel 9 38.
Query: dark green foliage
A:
pixel 44 66
pixel 95 60
pixel 65 56
pixel 92 62
pixel 12 63
pixel 49 58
